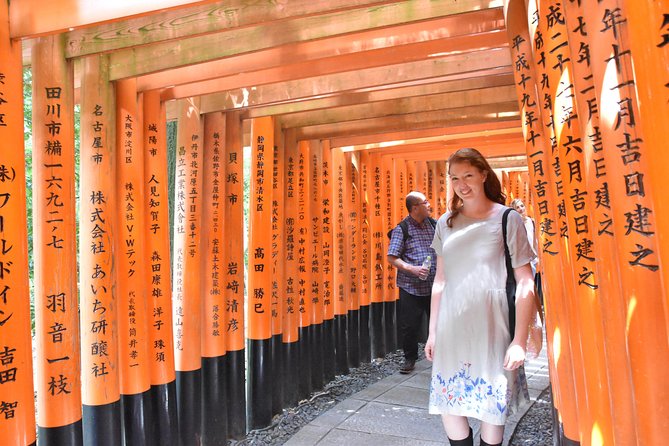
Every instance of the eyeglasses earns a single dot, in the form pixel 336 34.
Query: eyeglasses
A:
pixel 422 202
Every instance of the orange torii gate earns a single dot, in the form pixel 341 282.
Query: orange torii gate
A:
pixel 143 334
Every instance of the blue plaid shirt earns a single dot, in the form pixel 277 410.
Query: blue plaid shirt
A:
pixel 414 251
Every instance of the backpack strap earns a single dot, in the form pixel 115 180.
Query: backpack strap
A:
pixel 510 278
pixel 404 226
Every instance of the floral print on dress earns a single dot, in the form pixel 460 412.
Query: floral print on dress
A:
pixel 469 394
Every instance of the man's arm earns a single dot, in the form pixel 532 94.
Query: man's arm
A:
pixel 404 266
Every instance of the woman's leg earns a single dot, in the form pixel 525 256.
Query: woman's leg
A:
pixel 457 427
pixel 491 434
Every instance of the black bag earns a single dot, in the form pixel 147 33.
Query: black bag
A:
pixel 404 225
pixel 510 278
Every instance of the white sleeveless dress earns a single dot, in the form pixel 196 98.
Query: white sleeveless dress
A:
pixel 472 335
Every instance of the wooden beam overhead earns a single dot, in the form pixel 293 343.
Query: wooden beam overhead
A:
pixel 30 18
pixel 354 98
pixel 431 119
pixel 457 67
pixel 207 17
pixel 305 57
pixel 156 57
pixel 395 107
pixel 375 140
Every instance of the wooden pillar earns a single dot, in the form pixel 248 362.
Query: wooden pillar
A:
pixel 327 261
pixel 411 176
pixel 340 261
pixel 214 321
pixel 54 245
pixel 634 222
pixel 187 286
pixel 538 152
pixel 132 264
pixel 390 290
pixel 17 403
pixel 158 257
pixel 291 306
pixel 98 305
pixel 303 272
pixel 432 186
pixel 259 273
pixel 278 271
pixel 233 216
pixel 377 256
pixel 352 237
pixel 613 312
pixel 647 26
pixel 314 291
pixel 364 225
pixel 421 178
pixel 442 193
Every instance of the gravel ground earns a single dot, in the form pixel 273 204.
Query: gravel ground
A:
pixel 535 428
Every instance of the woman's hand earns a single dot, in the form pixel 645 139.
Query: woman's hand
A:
pixel 429 347
pixel 514 358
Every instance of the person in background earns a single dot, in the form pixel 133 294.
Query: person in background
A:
pixel 519 206
pixel 414 281
pixel 476 369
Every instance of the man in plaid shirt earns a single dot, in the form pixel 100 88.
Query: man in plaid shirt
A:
pixel 408 255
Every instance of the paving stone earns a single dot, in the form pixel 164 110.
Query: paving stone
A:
pixel 339 437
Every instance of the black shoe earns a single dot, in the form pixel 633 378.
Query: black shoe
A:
pixel 408 366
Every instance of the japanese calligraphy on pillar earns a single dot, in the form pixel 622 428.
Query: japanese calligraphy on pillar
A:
pixel 363 182
pixel 99 330
pixel 234 251
pixel 352 211
pixel 290 316
pixel 327 243
pixel 388 221
pixel 157 252
pixel 186 288
pixel 377 255
pixel 132 272
pixel 303 227
pixel 315 234
pixel 17 407
pixel 624 146
pixel 442 193
pixel 260 308
pixel 278 273
pixel 340 233
pixel 538 155
pixel 54 238
pixel 214 321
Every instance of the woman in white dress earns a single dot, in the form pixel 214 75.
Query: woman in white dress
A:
pixel 477 363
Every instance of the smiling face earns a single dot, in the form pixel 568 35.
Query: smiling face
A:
pixel 467 181
pixel 520 208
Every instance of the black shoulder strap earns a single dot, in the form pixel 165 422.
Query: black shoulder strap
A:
pixel 510 278
pixel 433 222
pixel 404 225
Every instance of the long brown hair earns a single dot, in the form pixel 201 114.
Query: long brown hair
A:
pixel 491 186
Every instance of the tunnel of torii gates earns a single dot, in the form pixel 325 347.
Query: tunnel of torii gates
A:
pixel 142 337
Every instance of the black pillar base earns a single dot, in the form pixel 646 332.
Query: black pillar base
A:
pixel 136 418
pixel 292 366
pixel 378 339
pixel 165 428
pixel 341 354
pixel 236 380
pixel 70 434
pixel 304 373
pixel 390 325
pixel 101 425
pixel 328 350
pixel 279 372
pixel 316 334
pixel 214 401
pixel 189 406
pixel 260 383
pixel 365 339
pixel 353 332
